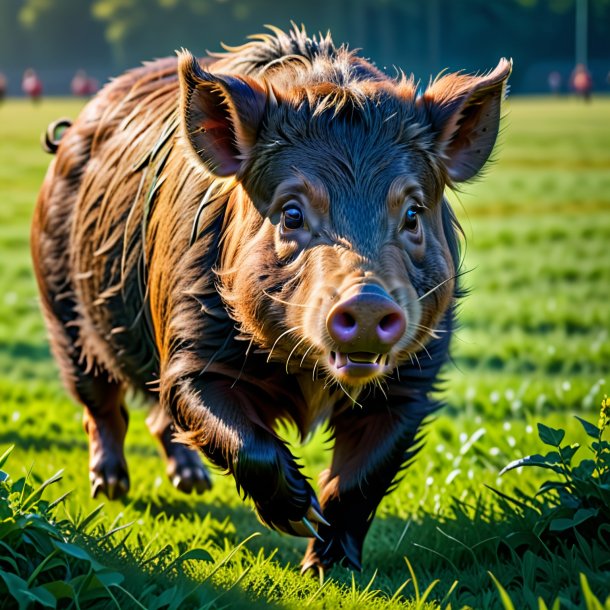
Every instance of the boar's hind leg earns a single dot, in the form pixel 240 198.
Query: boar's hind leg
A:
pixel 105 420
pixel 371 445
pixel 184 467
pixel 105 417
pixel 227 425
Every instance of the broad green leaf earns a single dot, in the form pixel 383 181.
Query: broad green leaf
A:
pixel 581 515
pixel 41 526
pixel 550 461
pixel 591 429
pixel 11 561
pixel 78 553
pixel 11 551
pixel 517 539
pixel 551 486
pixel 5 511
pixel 585 468
pixel 195 554
pixel 110 579
pixel 73 550
pixel 166 598
pixel 89 588
pixel 567 452
pixel 40 596
pixel 550 436
pixel 59 589
pixel 17 587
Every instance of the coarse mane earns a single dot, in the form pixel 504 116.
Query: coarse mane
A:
pixel 296 64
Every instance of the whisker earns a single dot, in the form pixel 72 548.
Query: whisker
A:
pixel 433 332
pixel 354 401
pixel 305 354
pixel 423 346
pixel 286 332
pixel 378 384
pixel 274 298
pixel 453 277
pixel 292 352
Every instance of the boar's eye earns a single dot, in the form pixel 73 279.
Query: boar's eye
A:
pixel 411 220
pixel 292 217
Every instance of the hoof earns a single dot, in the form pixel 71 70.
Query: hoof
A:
pixel 186 472
pixel 188 479
pixel 339 549
pixel 113 485
pixel 313 569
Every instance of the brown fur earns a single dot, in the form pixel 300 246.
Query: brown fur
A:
pixel 161 263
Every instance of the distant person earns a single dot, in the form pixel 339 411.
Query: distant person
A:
pixel 80 84
pixel 3 86
pixel 93 85
pixel 31 85
pixel 581 81
pixel 83 85
pixel 554 80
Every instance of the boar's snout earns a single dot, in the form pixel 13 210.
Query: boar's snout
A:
pixel 369 321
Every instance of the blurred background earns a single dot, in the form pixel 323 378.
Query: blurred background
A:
pixel 58 37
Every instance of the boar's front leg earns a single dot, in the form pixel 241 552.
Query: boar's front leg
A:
pixel 184 467
pixel 226 425
pixel 371 446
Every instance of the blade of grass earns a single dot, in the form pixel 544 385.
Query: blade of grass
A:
pixel 504 596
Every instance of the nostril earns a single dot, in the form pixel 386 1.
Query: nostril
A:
pixel 345 320
pixel 342 325
pixel 391 327
pixel 388 322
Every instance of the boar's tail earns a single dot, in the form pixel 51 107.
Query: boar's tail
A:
pixel 53 135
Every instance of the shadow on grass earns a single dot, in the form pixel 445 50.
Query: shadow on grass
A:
pixel 29 352
pixel 235 522
pixel 56 439
pixel 42 443
pixel 463 545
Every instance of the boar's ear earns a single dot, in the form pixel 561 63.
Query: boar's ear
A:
pixel 465 115
pixel 221 115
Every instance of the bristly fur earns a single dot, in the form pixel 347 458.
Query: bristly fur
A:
pixel 162 265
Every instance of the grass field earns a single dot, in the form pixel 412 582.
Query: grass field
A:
pixel 533 347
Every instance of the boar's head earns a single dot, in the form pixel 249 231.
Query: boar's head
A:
pixel 339 251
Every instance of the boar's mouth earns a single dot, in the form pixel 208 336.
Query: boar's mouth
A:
pixel 364 327
pixel 355 365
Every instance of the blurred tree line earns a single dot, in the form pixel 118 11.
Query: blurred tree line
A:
pixel 105 36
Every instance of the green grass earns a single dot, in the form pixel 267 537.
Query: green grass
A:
pixel 533 346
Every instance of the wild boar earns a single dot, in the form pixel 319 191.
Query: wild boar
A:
pixel 262 235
